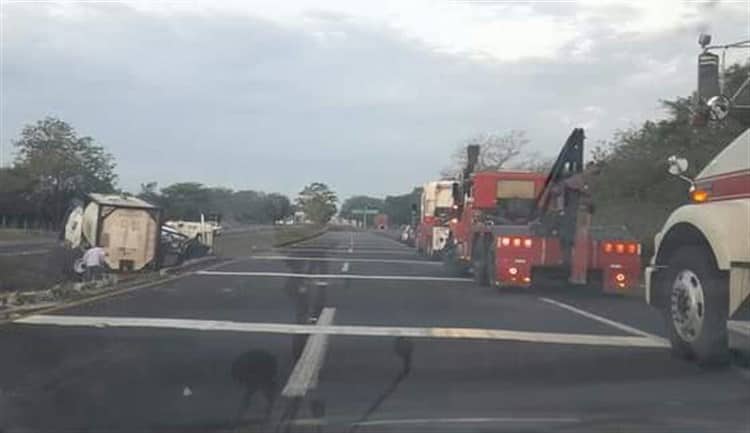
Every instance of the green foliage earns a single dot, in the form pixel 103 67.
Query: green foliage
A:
pixel 188 200
pixel 318 202
pixel 633 187
pixel 360 202
pixel 399 207
pixel 55 165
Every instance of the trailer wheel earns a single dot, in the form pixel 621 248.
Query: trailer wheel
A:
pixel 696 311
pixel 479 263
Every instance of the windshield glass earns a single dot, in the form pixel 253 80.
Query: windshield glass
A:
pixel 374 216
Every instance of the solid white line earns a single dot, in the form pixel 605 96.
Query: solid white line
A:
pixel 345 259
pixel 345 251
pixel 612 323
pixel 362 331
pixel 413 421
pixel 345 267
pixel 739 326
pixel 334 276
pixel 304 376
pixel 24 253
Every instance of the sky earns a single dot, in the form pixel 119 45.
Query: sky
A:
pixel 370 97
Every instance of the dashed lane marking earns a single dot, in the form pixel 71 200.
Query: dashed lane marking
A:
pixel 345 267
pixel 362 331
pixel 333 276
pixel 344 259
pixel 612 323
pixel 304 376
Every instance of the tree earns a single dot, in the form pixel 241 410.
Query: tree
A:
pixel 495 152
pixel 318 202
pixel 399 207
pixel 360 202
pixel 62 166
pixel 186 201
pixel 278 207
pixel 633 179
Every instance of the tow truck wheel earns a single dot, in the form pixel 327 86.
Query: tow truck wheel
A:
pixel 479 263
pixel 491 266
pixel 696 307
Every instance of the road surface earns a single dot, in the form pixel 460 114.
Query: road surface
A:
pixel 395 344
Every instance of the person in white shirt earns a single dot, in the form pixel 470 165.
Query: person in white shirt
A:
pixel 94 260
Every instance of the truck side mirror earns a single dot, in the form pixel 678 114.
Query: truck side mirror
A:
pixel 677 165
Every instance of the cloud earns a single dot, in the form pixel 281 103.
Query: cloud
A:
pixel 370 101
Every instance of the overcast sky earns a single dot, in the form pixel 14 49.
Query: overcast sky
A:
pixel 370 97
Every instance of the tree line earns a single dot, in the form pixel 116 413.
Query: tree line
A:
pixel 54 165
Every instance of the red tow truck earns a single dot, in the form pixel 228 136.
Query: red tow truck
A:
pixel 516 228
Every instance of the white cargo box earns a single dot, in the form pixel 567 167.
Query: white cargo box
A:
pixel 126 227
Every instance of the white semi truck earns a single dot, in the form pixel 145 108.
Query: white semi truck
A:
pixel 699 275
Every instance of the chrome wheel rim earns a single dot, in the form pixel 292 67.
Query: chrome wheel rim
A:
pixel 687 305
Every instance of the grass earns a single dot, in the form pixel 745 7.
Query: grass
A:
pixel 42 271
pixel 35 272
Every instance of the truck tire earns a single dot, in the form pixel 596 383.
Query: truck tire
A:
pixel 451 263
pixel 479 263
pixel 696 309
pixel 491 265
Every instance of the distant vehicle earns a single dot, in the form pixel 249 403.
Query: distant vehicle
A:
pixel 514 227
pixel 699 275
pixel 125 226
pixel 407 235
pixel 437 208
pixel 380 221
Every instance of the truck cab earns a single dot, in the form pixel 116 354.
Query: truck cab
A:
pixel 437 209
pixel 699 275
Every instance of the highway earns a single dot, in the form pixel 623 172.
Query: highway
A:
pixel 348 332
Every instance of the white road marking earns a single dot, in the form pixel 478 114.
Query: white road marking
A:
pixel 345 267
pixel 351 242
pixel 304 376
pixel 333 276
pixel 345 259
pixel 739 326
pixel 24 253
pixel 413 421
pixel 363 331
pixel 612 323
pixel 346 251
pixel 187 392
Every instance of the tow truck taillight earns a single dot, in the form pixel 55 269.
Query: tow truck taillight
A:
pixel 621 248
pixel 506 241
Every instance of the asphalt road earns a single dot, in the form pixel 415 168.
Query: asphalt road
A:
pixel 400 346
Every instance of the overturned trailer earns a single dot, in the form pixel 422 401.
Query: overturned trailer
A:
pixel 127 227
